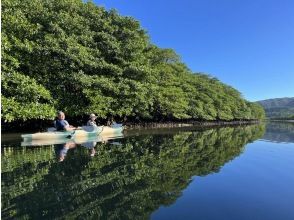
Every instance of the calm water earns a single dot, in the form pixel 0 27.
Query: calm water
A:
pixel 224 173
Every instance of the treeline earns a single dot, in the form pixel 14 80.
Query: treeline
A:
pixel 128 181
pixel 77 57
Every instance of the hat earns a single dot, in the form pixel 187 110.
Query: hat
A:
pixel 60 113
pixel 93 116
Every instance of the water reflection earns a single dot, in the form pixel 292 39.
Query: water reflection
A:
pixel 61 150
pixel 279 132
pixel 91 147
pixel 129 180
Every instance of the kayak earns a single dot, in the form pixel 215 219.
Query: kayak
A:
pixel 84 132
pixel 78 140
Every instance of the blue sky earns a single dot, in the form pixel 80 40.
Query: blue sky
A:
pixel 248 44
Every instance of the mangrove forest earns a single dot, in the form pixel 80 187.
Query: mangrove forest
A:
pixel 75 56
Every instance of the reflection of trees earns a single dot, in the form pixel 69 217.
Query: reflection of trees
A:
pixel 129 181
pixel 21 170
pixel 279 132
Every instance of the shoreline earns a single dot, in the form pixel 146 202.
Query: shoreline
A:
pixel 147 125
pixel 281 120
pixel 41 126
pixel 132 128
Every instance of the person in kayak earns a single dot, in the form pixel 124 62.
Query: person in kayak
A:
pixel 61 124
pixel 92 121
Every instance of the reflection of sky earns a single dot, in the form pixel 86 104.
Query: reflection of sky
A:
pixel 256 185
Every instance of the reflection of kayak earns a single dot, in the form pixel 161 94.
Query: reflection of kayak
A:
pixel 77 140
pixel 84 132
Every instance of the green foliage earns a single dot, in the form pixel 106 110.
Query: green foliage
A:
pixel 88 59
pixel 257 111
pixel 12 110
pixel 24 88
pixel 23 98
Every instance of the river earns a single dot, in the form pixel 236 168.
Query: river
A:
pixel 241 172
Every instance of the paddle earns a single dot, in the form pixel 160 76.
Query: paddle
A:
pixel 70 136
pixel 85 128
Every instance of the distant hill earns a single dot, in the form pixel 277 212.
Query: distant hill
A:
pixel 279 107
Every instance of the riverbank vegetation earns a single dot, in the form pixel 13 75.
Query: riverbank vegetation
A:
pixel 77 57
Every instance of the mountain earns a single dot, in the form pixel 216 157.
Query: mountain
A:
pixel 278 107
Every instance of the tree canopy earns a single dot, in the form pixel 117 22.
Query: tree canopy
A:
pixel 77 57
